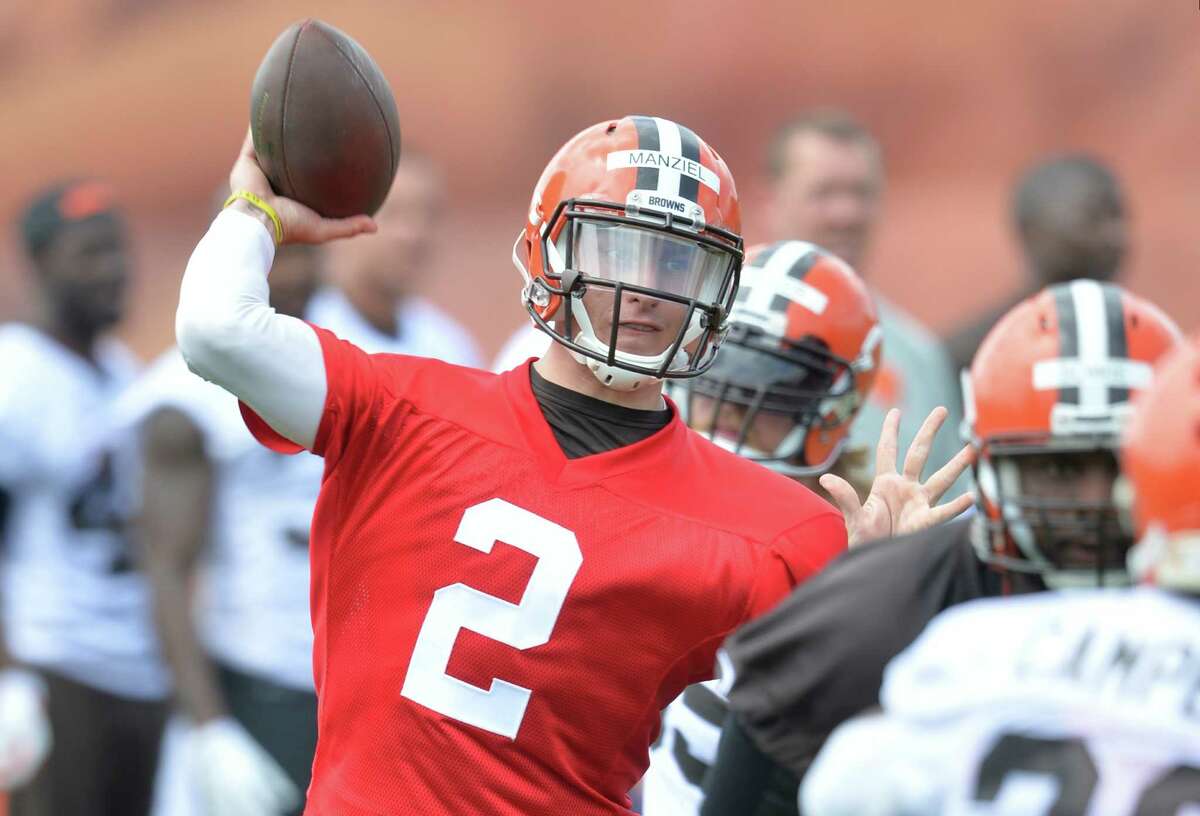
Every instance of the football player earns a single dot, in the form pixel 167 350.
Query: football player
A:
pixel 1081 703
pixel 802 352
pixel 80 663
pixel 225 526
pixel 1047 393
pixel 513 574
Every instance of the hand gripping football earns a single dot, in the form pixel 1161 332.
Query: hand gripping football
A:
pixel 324 121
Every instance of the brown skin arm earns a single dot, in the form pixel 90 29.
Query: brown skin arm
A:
pixel 176 497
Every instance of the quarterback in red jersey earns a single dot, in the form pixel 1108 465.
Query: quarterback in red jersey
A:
pixel 513 574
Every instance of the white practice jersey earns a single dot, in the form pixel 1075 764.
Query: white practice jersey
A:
pixel 252 606
pixel 691 729
pixel 1082 703
pixel 425 330
pixel 72 600
pixel 527 341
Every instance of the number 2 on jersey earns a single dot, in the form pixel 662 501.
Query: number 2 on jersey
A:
pixel 500 708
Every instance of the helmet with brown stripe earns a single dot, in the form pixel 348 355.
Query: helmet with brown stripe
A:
pixel 803 349
pixel 1046 398
pixel 632 250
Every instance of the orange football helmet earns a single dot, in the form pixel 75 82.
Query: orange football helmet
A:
pixel 1160 458
pixel 1057 375
pixel 638 207
pixel 804 342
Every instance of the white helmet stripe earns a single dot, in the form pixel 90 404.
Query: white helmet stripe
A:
pixel 1091 324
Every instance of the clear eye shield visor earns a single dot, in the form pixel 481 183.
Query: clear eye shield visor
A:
pixel 657 288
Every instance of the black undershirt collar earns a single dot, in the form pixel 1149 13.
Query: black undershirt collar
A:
pixel 584 425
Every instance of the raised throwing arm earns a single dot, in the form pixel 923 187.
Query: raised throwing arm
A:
pixel 227 331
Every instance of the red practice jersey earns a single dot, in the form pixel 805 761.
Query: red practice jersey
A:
pixel 498 627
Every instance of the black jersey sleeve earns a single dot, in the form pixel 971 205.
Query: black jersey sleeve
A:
pixel 5 507
pixel 743 781
pixel 817 659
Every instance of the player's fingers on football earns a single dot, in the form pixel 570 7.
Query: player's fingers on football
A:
pixel 947 511
pixel 842 493
pixel 248 144
pixel 334 229
pixel 918 451
pixel 885 451
pixel 247 174
pixel 947 474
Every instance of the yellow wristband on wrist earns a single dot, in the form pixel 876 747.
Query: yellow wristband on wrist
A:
pixel 258 203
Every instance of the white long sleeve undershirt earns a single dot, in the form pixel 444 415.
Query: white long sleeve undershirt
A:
pixel 229 334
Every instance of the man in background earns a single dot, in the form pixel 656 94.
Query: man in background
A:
pixel 373 298
pixel 225 523
pixel 1069 216
pixel 826 185
pixel 80 668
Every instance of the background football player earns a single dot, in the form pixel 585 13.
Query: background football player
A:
pixel 1080 702
pixel 1048 392
pixel 81 662
pixel 803 349
pixel 371 297
pixel 648 543
pixel 225 525
pixel 214 498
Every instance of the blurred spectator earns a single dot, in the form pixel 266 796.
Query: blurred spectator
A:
pixel 527 341
pixel 217 506
pixel 82 665
pixel 1069 216
pixel 826 174
pixel 244 668
pixel 373 300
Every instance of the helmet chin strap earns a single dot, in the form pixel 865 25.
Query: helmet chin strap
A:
pixel 616 377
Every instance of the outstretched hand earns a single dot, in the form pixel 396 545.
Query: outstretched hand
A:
pixel 899 503
pixel 301 225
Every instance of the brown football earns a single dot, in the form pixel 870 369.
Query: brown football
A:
pixel 324 121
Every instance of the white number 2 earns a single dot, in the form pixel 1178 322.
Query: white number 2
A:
pixel 500 708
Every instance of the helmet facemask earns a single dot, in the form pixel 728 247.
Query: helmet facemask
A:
pixel 757 376
pixel 1068 542
pixel 682 275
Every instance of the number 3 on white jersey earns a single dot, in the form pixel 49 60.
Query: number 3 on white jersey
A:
pixel 501 708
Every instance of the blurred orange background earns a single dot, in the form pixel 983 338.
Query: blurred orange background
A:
pixel 153 95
